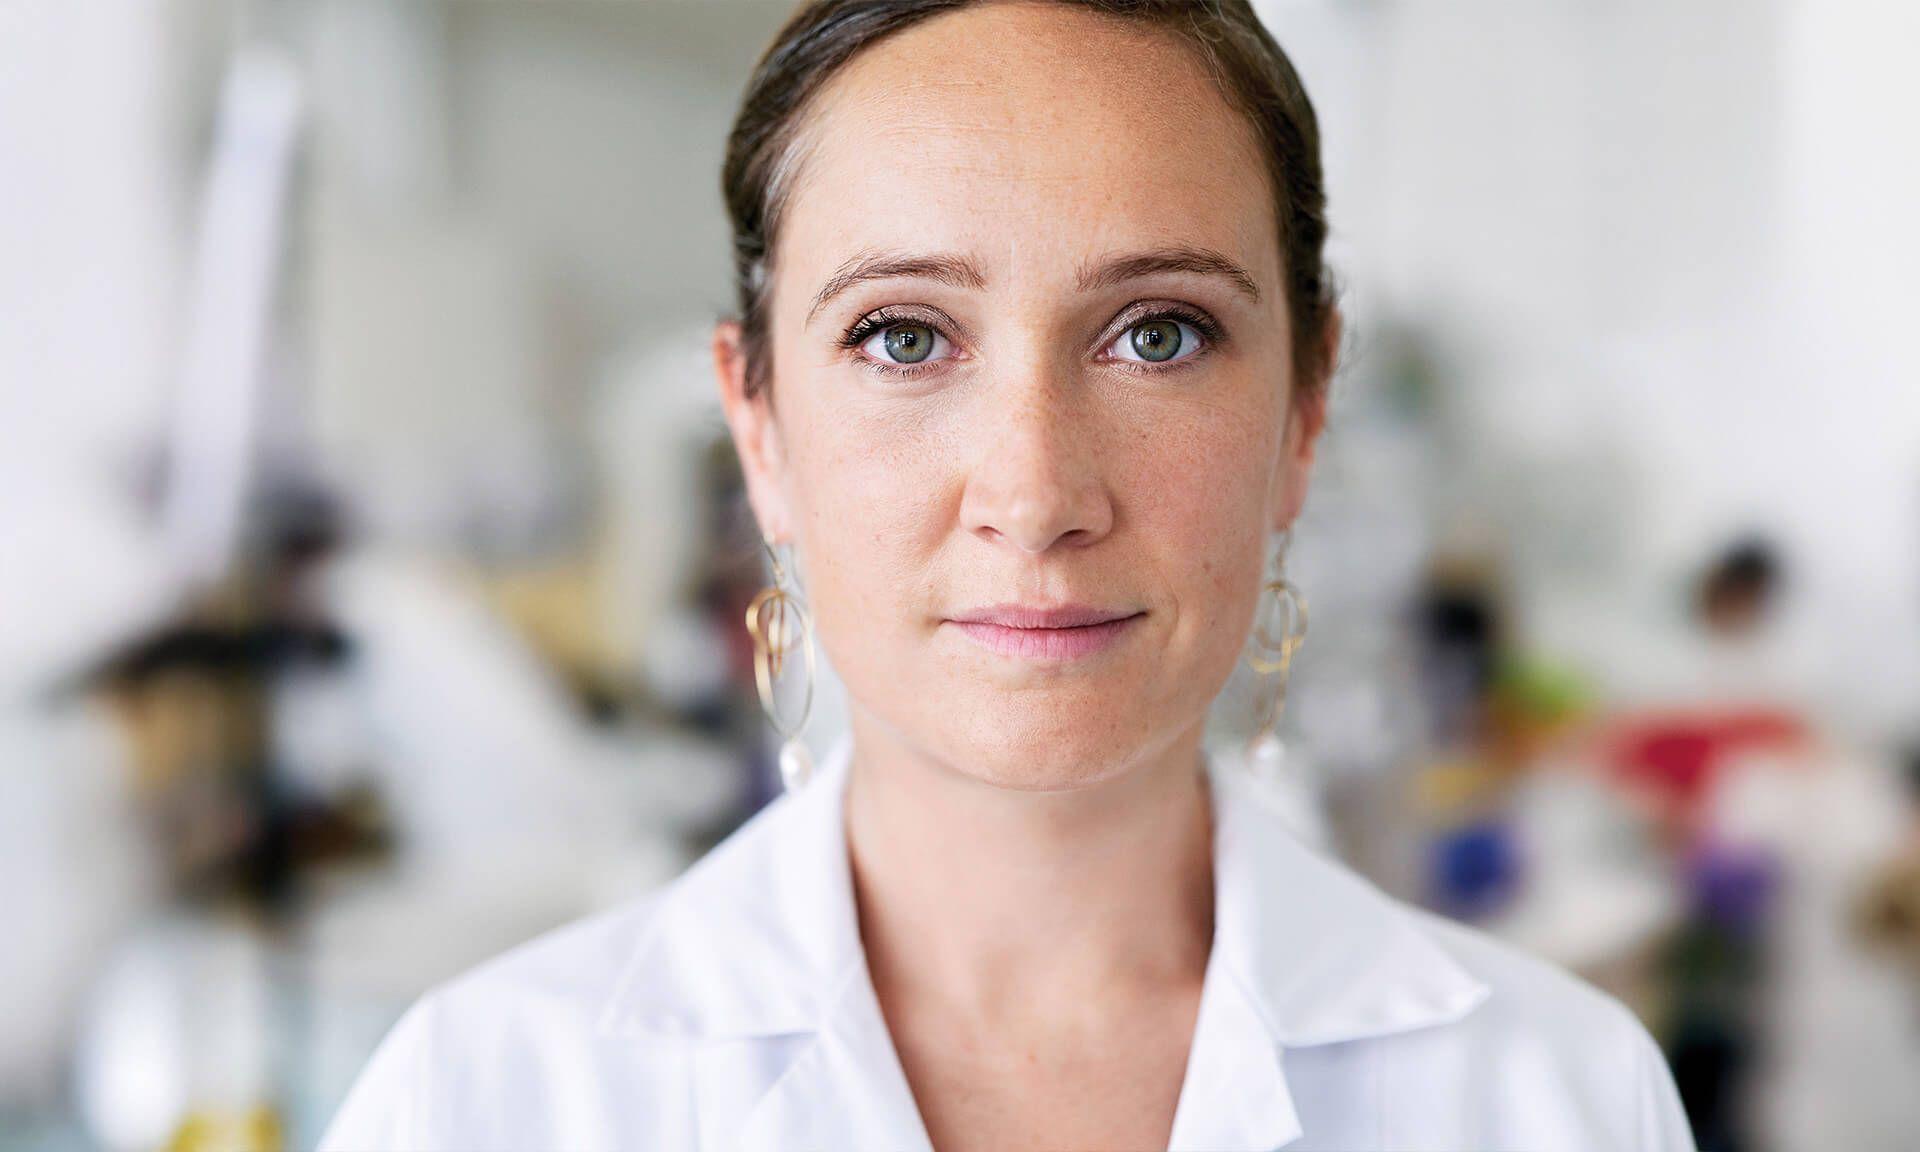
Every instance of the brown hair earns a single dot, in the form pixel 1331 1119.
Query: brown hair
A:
pixel 1245 61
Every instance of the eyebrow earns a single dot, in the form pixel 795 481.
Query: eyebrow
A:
pixel 957 271
pixel 1201 261
pixel 961 272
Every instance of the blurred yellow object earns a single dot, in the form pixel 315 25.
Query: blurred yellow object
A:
pixel 1454 788
pixel 1887 915
pixel 557 609
pixel 255 1130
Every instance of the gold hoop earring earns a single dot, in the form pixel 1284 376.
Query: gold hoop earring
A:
pixel 1280 625
pixel 778 622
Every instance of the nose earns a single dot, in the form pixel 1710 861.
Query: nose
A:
pixel 1037 481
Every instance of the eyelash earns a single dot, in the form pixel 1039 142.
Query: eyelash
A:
pixel 880 320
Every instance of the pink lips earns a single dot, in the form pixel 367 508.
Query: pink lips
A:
pixel 1068 632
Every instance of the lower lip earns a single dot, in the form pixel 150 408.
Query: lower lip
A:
pixel 1048 645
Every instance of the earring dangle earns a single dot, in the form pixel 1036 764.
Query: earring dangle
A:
pixel 778 623
pixel 1280 624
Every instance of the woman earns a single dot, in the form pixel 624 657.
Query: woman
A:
pixel 1032 357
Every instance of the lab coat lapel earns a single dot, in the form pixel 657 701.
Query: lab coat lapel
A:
pixel 1305 953
pixel 847 1090
pixel 1234 1096
pixel 758 936
pixel 759 945
pixel 1324 954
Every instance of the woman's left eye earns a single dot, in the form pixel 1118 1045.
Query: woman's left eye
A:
pixel 1158 341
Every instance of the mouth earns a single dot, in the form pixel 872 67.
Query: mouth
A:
pixel 1045 634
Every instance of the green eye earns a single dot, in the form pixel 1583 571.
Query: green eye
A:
pixel 909 343
pixel 1156 340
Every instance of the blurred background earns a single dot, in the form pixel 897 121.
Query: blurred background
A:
pixel 372 558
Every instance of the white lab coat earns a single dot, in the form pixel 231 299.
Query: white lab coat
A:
pixel 733 1010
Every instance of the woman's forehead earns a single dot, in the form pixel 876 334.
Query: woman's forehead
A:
pixel 1028 137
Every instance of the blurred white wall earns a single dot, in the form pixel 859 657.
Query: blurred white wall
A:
pixel 1671 245
pixel 513 203
pixel 90 255
pixel 1852 243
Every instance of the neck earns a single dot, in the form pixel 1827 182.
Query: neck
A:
pixel 994 901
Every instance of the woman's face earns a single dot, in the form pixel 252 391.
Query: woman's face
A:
pixel 1030 349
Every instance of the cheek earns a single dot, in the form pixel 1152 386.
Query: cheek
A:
pixel 869 503
pixel 1200 495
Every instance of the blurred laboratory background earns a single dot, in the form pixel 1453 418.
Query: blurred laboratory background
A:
pixel 372 556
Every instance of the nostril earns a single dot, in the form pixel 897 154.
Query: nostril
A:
pixel 1036 502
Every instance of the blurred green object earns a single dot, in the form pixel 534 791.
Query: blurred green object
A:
pixel 1542 691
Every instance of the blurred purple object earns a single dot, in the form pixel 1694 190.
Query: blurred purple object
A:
pixel 1732 886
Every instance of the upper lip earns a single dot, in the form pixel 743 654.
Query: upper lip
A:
pixel 1035 616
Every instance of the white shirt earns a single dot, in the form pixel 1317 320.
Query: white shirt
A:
pixel 733 1010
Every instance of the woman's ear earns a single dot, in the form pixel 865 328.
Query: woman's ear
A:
pixel 1306 420
pixel 756 439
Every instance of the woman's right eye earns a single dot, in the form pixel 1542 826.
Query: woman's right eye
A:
pixel 906 344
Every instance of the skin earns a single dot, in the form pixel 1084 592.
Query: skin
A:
pixel 1030 841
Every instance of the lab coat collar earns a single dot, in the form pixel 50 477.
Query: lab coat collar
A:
pixel 1327 956
pixel 1305 953
pixel 759 937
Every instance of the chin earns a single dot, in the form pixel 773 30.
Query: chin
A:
pixel 1013 752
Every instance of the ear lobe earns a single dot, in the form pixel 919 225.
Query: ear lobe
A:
pixel 1308 416
pixel 1296 463
pixel 1306 421
pixel 750 423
